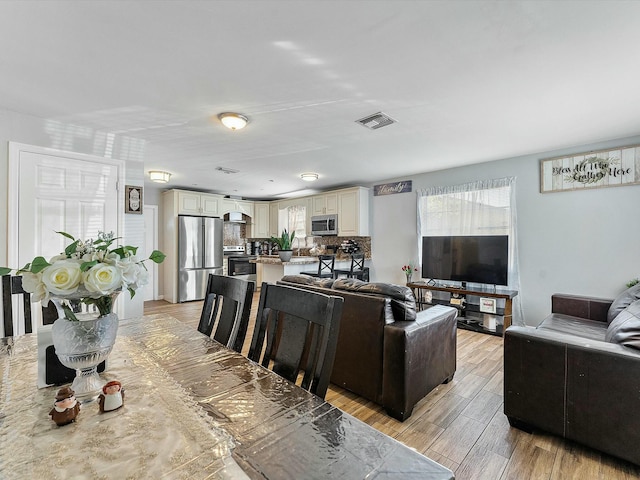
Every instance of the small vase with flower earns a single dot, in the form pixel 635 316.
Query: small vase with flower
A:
pixel 408 270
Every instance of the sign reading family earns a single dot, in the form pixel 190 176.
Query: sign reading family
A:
pixel 605 168
pixel 391 188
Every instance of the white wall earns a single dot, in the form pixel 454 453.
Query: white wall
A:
pixel 55 134
pixel 580 242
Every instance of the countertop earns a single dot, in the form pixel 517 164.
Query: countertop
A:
pixel 275 260
pixel 296 260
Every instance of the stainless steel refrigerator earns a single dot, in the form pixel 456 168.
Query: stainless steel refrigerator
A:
pixel 199 254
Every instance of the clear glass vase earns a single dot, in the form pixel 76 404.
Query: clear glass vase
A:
pixel 83 344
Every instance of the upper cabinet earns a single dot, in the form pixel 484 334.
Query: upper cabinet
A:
pixel 273 219
pixel 196 203
pixel 324 204
pixel 260 224
pixel 233 205
pixel 353 212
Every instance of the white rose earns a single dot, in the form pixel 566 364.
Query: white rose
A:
pixel 102 278
pixel 62 277
pixel 32 283
pixel 132 271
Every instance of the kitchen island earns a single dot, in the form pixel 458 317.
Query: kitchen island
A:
pixel 269 268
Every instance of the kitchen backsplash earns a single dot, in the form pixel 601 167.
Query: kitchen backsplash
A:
pixel 331 243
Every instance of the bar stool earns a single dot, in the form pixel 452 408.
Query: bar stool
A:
pixel 357 270
pixel 325 267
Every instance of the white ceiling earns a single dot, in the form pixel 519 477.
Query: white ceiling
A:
pixel 467 82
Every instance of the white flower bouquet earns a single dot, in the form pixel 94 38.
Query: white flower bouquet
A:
pixel 88 270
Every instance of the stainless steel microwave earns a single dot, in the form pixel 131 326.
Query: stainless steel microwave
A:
pixel 324 225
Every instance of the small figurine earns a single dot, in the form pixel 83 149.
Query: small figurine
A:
pixel 66 407
pixel 112 396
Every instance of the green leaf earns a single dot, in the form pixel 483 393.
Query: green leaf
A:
pixel 119 251
pixel 5 271
pixel 65 234
pixel 72 248
pixel 157 256
pixel 69 313
pixel 132 292
pixel 84 266
pixel 39 264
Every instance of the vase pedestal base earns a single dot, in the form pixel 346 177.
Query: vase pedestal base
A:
pixel 87 385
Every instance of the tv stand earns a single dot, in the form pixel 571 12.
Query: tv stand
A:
pixel 470 314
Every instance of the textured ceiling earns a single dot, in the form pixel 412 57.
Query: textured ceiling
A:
pixel 466 81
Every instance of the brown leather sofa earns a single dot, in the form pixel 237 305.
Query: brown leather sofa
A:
pixel 387 352
pixel 577 374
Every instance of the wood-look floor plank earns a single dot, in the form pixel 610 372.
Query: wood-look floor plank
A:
pixel 481 464
pixel 461 425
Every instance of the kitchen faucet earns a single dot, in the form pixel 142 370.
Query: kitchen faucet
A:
pixel 298 239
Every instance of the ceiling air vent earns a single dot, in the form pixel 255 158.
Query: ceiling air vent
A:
pixel 375 121
pixel 226 170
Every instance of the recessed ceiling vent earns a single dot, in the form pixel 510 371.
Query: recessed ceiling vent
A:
pixel 226 170
pixel 375 121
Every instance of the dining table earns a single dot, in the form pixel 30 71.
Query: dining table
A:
pixel 193 409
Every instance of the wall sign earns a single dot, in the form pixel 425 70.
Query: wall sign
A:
pixel 602 168
pixel 132 199
pixel 392 188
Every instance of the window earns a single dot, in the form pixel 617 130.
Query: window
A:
pixel 479 208
pixel 294 219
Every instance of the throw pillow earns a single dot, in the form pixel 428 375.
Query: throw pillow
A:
pixel 625 328
pixel 623 300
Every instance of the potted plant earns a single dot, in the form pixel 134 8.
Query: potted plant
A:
pixel 284 245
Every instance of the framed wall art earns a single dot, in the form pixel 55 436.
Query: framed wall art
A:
pixel 133 199
pixel 603 168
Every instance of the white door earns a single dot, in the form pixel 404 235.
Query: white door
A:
pixel 58 191
pixel 150 244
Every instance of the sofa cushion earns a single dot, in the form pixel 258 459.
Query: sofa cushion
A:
pixel 625 328
pixel 403 303
pixel 570 325
pixel 623 300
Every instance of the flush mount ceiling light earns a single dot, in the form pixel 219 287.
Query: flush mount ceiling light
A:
pixel 159 176
pixel 233 121
pixel 309 176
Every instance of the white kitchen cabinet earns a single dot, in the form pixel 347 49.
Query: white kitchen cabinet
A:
pixel 353 212
pixel 324 204
pixel 273 219
pixel 260 221
pixel 196 203
pixel 234 205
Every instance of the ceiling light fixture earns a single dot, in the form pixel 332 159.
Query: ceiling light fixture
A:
pixel 159 176
pixel 309 176
pixel 233 121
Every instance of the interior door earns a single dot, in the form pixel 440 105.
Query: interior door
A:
pixel 57 192
pixel 63 194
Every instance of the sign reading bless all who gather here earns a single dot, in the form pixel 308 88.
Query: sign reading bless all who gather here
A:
pixel 604 168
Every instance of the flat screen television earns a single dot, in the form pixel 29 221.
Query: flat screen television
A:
pixel 476 258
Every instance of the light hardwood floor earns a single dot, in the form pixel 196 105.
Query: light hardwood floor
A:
pixel 461 424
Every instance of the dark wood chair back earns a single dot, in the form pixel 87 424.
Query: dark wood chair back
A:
pixel 301 332
pixel 12 285
pixel 357 269
pixel 326 265
pixel 228 304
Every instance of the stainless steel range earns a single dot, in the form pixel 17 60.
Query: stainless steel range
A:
pixel 238 263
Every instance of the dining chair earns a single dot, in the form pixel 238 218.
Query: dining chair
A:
pixel 227 304
pixel 301 332
pixel 357 269
pixel 326 264
pixel 12 285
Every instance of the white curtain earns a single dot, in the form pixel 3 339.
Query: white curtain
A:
pixel 294 219
pixel 485 207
